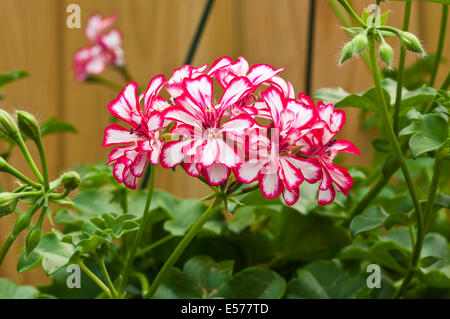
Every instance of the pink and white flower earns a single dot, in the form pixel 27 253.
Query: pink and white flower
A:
pixel 141 143
pixel 105 49
pixel 205 142
pixel 319 144
pixel 273 161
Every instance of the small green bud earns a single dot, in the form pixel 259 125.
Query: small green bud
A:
pixel 8 125
pixel 21 223
pixel 347 52
pixel 71 180
pixel 411 42
pixel 385 51
pixel 7 197
pixel 33 239
pixel 360 42
pixel 8 207
pixel 28 125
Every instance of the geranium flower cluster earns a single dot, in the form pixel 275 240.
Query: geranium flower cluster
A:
pixel 105 48
pixel 257 130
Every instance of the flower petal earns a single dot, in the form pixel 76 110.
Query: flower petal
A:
pixel 155 121
pixel 274 100
pixel 152 91
pixel 129 179
pixel 180 115
pixel 209 152
pixel 270 185
pixel 236 89
pixel 309 168
pixel 138 166
pixel 116 134
pixel 238 125
pixel 171 153
pixel 260 73
pixel 326 196
pixel 248 172
pixel 125 106
pixel 290 197
pixel 216 174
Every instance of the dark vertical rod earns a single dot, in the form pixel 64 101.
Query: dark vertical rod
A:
pixel 310 47
pixel 188 60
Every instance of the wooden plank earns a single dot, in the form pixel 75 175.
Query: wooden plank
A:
pixel 29 34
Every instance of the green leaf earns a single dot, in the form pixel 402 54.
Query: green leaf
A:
pixel 6 78
pixel 333 279
pixel 54 125
pixel 10 290
pixel 306 238
pixel 373 219
pixel 366 100
pixel 400 257
pixel 51 254
pixel 257 283
pixel 428 134
pixel 203 278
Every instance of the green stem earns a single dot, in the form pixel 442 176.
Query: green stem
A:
pixel 182 246
pixel 11 170
pixel 43 163
pixel 106 277
pixel 247 190
pixel 432 193
pixel 137 239
pixel 97 280
pixel 125 74
pixel 154 245
pixel 350 10
pixel 108 83
pixel 440 46
pixel 28 157
pixel 399 155
pixel 401 68
pixel 143 280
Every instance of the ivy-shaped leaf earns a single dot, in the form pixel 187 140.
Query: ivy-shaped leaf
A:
pixel 333 279
pixel 51 253
pixel 204 278
pixel 429 133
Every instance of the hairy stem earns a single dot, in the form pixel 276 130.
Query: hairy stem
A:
pixel 137 239
pixel 29 158
pixel 154 245
pixel 440 45
pixel 399 155
pixel 97 280
pixel 432 193
pixel 106 277
pixel 43 163
pixel 193 231
pixel 352 12
pixel 401 68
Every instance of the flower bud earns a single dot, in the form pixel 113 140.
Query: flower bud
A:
pixel 385 51
pixel 347 52
pixel 8 125
pixel 8 207
pixel 71 180
pixel 360 42
pixel 7 197
pixel 21 223
pixel 28 125
pixel 411 42
pixel 33 239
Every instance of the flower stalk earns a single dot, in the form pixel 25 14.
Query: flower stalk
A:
pixel 399 155
pixel 137 239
